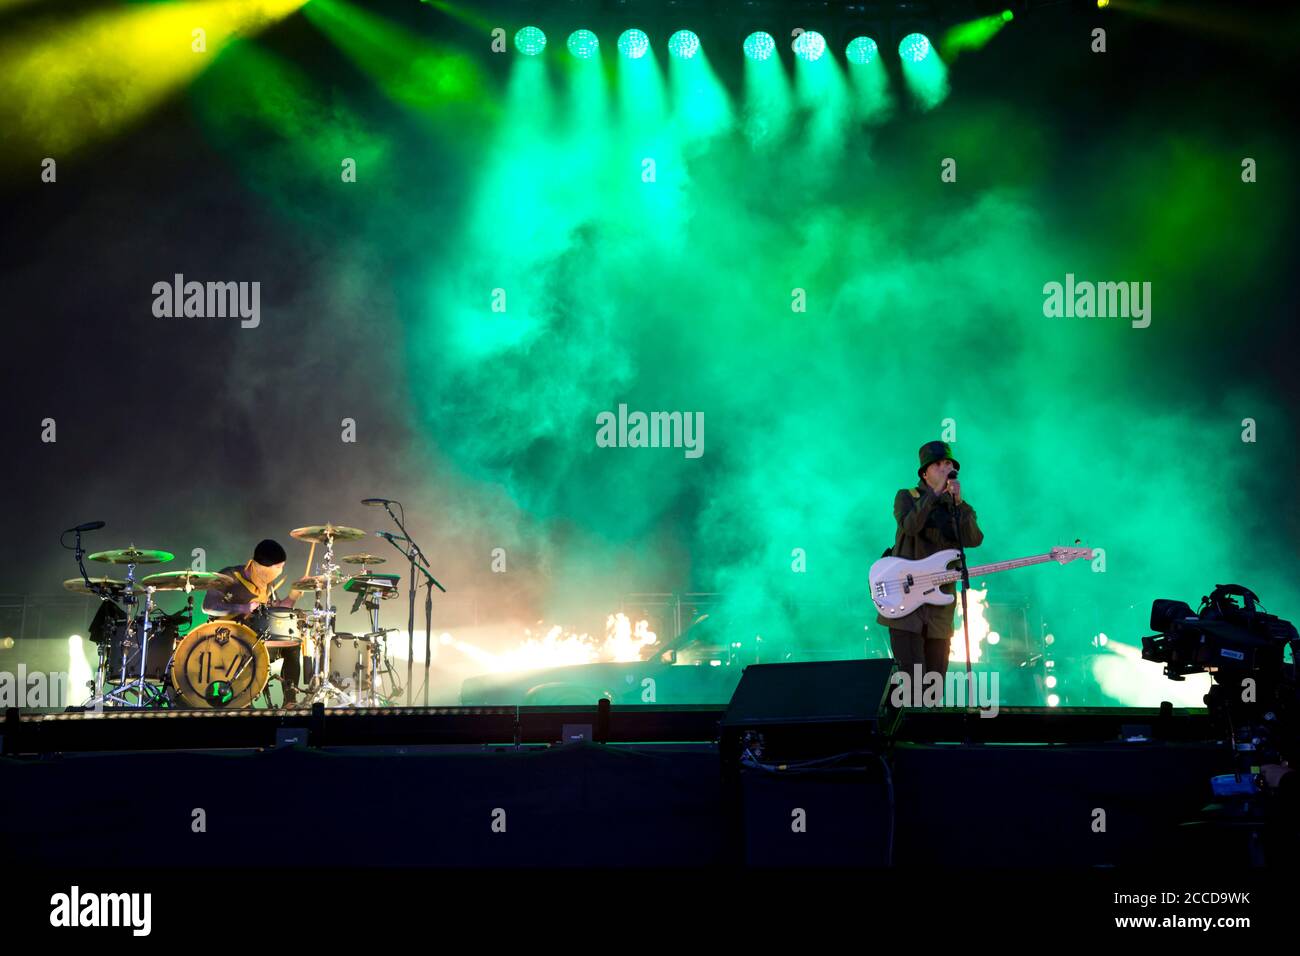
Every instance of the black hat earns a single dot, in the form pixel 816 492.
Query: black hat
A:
pixel 268 553
pixel 933 451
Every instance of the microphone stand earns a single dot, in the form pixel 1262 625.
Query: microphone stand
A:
pixel 413 553
pixel 102 649
pixel 965 586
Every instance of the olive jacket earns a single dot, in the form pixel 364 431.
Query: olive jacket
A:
pixel 924 527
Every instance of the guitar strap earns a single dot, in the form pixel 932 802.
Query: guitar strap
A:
pixel 898 537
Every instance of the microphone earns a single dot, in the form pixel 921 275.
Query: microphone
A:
pixel 394 538
pixel 377 502
pixel 88 526
pixel 952 476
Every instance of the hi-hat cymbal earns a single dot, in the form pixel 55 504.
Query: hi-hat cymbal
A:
pixel 321 533
pixel 133 555
pixel 195 580
pixel 113 585
pixel 316 582
pixel 363 559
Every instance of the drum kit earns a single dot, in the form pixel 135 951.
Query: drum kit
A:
pixel 144 661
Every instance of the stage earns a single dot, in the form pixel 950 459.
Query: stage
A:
pixel 499 787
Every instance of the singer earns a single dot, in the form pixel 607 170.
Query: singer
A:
pixel 925 525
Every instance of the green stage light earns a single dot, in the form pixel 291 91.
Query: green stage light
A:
pixel 633 44
pixel 583 44
pixel 760 46
pixel 1008 16
pixel 810 46
pixel 914 47
pixel 683 44
pixel 530 41
pixel 861 50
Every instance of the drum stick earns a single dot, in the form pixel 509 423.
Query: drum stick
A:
pixel 310 555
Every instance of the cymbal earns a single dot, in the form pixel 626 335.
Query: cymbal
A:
pixel 196 580
pixel 363 559
pixel 133 555
pixel 79 585
pixel 321 533
pixel 316 582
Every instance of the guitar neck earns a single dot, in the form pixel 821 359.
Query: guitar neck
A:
pixel 982 569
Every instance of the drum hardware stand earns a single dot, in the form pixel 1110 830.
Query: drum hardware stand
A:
pixel 376 640
pixel 146 694
pixel 397 688
pixel 322 690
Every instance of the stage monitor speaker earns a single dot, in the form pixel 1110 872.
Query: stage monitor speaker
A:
pixel 789 806
pixel 811 708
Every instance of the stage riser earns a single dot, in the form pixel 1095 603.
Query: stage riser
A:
pixel 588 804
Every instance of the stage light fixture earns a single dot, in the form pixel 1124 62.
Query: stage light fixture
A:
pixel 914 47
pixel 683 44
pixel 1007 16
pixel 583 44
pixel 633 44
pixel 530 41
pixel 861 50
pixel 1050 680
pixel 810 46
pixel 1053 700
pixel 760 46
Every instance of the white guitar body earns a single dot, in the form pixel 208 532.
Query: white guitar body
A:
pixel 897 587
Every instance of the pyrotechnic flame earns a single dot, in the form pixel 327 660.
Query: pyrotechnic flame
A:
pixel 977 604
pixel 560 647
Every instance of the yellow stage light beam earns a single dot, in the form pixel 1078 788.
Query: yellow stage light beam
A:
pixel 1264 27
pixel 463 15
pixel 68 82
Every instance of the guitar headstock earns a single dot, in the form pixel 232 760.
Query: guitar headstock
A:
pixel 1066 555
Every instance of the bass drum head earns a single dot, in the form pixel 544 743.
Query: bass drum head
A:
pixel 220 664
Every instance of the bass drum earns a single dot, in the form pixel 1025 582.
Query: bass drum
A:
pixel 220 664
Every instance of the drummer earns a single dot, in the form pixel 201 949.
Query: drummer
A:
pixel 255 586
